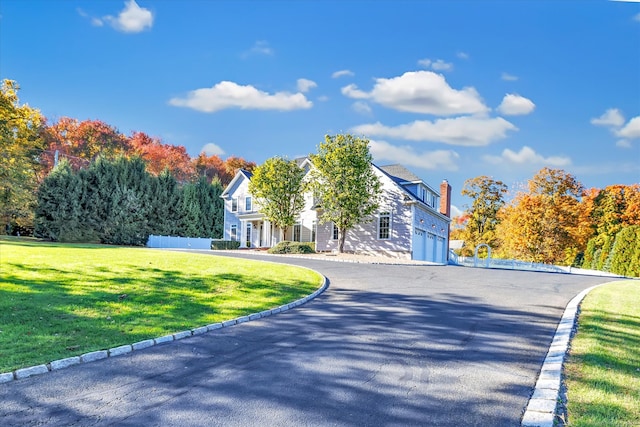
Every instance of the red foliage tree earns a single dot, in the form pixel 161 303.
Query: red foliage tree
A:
pixel 159 156
pixel 81 142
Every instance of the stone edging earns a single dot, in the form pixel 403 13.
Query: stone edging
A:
pixel 541 409
pixel 125 349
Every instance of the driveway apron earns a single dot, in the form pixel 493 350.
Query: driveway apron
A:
pixel 385 345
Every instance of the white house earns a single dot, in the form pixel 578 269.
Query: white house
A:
pixel 412 221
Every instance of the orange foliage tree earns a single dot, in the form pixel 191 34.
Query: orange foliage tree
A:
pixel 82 142
pixel 159 156
pixel 546 224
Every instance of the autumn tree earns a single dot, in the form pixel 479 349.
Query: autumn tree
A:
pixel 544 224
pixel 345 183
pixel 159 156
pixel 611 210
pixel 233 163
pixel 278 186
pixel 81 142
pixel 21 146
pixel 212 167
pixel 487 197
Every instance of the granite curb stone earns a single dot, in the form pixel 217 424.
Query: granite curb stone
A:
pixel 541 409
pixel 128 348
pixel 64 363
pixel 118 351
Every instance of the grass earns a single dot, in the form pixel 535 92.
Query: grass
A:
pixel 603 370
pixel 62 300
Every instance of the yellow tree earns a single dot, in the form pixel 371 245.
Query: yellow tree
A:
pixel 545 224
pixel 21 146
pixel 487 197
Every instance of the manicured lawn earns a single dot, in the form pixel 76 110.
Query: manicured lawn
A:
pixel 603 372
pixel 61 300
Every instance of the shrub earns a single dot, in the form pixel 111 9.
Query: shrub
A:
pixel 287 247
pixel 218 244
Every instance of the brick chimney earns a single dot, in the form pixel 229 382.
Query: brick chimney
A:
pixel 445 198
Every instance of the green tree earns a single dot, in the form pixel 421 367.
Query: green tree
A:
pixel 58 214
pixel 21 145
pixel 625 254
pixel 345 183
pixel 165 205
pixel 487 197
pixel 278 186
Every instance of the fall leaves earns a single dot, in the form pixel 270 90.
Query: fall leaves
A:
pixel 554 221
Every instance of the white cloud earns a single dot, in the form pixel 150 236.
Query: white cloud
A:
pixel 408 156
pixel 623 143
pixel 462 55
pixel 352 91
pixel 611 117
pixel 132 19
pixel 342 73
pixel 455 211
pixel 514 105
pixel 421 92
pixel 637 17
pixel 631 130
pixel 527 155
pixel 212 149
pixel 304 85
pixel 508 77
pixel 232 95
pixel 465 131
pixel 438 65
pixel 260 47
pixel 323 98
pixel 361 107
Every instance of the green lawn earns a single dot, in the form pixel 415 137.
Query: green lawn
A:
pixel 61 300
pixel 603 371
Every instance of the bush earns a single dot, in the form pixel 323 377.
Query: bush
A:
pixel 220 245
pixel 287 247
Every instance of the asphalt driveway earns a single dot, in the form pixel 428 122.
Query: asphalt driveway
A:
pixel 383 346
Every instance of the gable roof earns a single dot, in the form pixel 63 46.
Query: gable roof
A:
pixel 240 174
pixel 400 174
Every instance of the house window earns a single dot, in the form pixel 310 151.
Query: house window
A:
pixel 314 229
pixel 384 225
pixel 335 232
pixel 247 204
pixel 233 233
pixel 234 205
pixel 296 232
pixel 433 200
pixel 248 242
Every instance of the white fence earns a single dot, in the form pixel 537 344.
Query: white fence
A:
pixel 179 242
pixel 512 264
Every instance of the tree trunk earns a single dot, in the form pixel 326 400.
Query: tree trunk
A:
pixel 342 234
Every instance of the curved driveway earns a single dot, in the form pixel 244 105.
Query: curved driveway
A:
pixel 383 346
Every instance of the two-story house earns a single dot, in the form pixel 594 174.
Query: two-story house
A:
pixel 412 220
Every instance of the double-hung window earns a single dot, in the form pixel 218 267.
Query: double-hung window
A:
pixel 247 204
pixel 234 205
pixel 335 232
pixel 233 232
pixel 384 225
pixel 296 232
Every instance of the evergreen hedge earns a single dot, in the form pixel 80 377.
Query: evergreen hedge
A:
pixel 118 202
pixel 224 244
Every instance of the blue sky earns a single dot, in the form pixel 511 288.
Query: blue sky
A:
pixel 451 89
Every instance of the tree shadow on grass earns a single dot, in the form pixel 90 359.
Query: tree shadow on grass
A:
pixel 62 318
